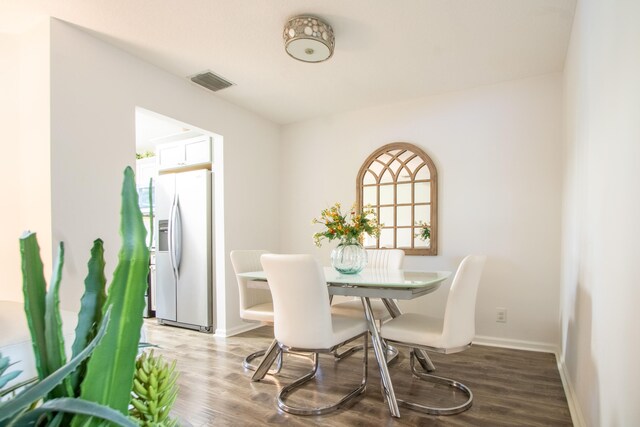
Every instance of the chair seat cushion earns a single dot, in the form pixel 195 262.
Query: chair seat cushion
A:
pixel 354 308
pixel 412 328
pixel 259 312
pixel 345 328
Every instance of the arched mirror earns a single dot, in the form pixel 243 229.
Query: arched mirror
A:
pixel 400 182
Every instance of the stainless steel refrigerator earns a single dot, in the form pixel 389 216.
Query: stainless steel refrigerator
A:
pixel 184 293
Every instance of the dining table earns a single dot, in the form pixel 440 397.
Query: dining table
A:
pixel 388 285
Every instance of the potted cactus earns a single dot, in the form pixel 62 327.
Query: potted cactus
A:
pixel 95 385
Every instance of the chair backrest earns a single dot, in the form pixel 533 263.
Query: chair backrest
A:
pixel 302 315
pixel 459 326
pixel 245 261
pixel 385 258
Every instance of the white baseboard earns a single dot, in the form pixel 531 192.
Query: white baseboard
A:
pixel 572 398
pixel 245 327
pixel 516 344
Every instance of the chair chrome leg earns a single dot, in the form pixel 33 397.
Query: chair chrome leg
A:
pixel 390 352
pixel 279 362
pixel 339 356
pixel 246 363
pixel 423 359
pixel 296 410
pixel 446 381
pixel 269 357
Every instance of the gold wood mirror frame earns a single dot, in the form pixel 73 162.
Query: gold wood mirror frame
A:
pixel 400 182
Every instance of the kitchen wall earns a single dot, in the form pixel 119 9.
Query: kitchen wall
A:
pixel 601 227
pixel 95 89
pixel 497 149
pixel 24 164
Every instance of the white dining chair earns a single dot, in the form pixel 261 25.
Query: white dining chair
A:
pixel 451 334
pixel 377 258
pixel 303 322
pixel 255 303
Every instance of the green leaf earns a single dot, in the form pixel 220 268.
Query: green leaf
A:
pixel 4 363
pixel 34 289
pixel 53 327
pixel 57 420
pixel 39 390
pixel 109 375
pixel 8 377
pixel 17 386
pixel 91 305
pixel 75 406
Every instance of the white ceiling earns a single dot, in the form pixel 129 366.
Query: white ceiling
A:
pixel 386 51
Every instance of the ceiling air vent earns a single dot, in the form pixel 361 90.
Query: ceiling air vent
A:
pixel 210 81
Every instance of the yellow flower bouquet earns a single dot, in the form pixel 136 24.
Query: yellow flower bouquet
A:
pixel 346 227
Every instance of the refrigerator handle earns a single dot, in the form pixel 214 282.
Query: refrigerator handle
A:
pixel 177 239
pixel 172 236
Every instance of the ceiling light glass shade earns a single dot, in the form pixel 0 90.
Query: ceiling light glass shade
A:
pixel 308 39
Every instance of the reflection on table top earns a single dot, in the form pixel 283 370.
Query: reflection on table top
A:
pixel 374 277
pixel 386 278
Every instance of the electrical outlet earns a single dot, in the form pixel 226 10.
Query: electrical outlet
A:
pixel 501 314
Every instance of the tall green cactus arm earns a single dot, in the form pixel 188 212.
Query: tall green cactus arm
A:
pixel 91 305
pixel 34 289
pixel 53 328
pixel 109 375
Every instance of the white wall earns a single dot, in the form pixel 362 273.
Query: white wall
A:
pixel 24 168
pixel 35 138
pixel 95 88
pixel 497 150
pixel 601 226
pixel 9 167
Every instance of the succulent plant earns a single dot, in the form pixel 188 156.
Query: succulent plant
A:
pixel 6 377
pixel 154 391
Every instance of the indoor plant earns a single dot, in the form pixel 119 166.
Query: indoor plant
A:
pixel 349 257
pixel 424 232
pixel 154 391
pixel 97 382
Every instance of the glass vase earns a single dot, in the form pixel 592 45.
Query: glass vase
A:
pixel 349 257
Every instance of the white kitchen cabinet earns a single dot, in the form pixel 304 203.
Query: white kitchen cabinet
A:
pixel 194 152
pixel 145 169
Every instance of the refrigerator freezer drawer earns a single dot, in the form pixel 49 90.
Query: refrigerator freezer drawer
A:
pixel 165 288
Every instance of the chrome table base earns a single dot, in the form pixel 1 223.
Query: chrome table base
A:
pixel 380 353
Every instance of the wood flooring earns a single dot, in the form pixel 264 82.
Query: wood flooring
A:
pixel 510 387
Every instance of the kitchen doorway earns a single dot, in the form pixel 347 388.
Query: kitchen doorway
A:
pixel 179 175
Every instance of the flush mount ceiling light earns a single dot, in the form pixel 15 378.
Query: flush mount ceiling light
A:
pixel 308 38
